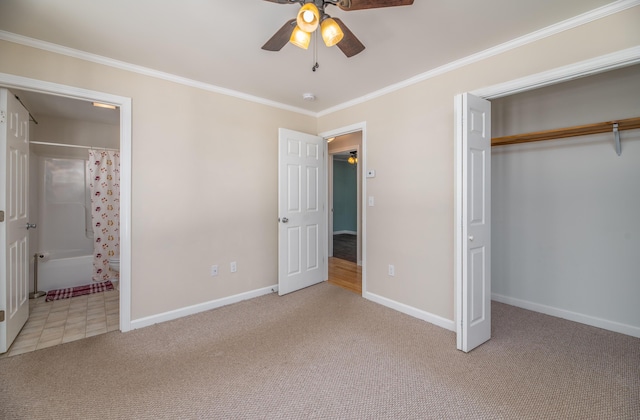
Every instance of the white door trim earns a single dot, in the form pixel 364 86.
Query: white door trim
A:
pixel 362 161
pixel 124 103
pixel 601 64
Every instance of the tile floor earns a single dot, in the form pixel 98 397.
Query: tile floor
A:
pixel 65 320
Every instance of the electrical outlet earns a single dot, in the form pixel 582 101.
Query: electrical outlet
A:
pixel 214 270
pixel 234 267
pixel 392 270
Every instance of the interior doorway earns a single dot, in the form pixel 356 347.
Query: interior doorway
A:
pixel 50 90
pixel 345 192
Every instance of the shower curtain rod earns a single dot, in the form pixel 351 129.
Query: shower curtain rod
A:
pixel 77 146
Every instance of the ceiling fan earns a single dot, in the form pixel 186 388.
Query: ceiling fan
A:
pixel 312 16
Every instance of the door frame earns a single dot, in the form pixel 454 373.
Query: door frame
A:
pixel 601 64
pixel 362 159
pixel 124 104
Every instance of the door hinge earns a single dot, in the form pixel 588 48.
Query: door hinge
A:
pixel 1 316
pixel 1 215
pixel 3 116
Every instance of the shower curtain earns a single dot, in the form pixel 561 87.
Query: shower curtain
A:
pixel 104 174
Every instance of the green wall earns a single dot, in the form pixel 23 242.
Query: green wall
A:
pixel 345 196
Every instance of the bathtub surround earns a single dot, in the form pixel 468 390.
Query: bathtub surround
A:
pixel 104 183
pixel 64 269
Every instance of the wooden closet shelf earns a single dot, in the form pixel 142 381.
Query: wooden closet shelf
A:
pixel 560 133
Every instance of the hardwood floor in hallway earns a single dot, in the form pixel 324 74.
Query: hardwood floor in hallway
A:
pixel 345 274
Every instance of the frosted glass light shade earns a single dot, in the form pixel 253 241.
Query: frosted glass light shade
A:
pixel 331 32
pixel 300 38
pixel 308 18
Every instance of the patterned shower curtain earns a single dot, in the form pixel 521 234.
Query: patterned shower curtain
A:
pixel 104 175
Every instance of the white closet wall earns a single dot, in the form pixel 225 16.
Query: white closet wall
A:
pixel 566 213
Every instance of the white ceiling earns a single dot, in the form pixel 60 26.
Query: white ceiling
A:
pixel 218 42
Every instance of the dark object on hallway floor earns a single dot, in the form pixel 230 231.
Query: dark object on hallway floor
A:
pixel 345 247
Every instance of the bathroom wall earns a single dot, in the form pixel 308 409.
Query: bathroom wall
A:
pixel 58 199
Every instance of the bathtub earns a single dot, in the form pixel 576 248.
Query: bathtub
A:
pixel 62 269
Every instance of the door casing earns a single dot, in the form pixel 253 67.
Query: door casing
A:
pixel 124 104
pixel 362 163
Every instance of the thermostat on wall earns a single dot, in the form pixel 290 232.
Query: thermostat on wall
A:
pixel 371 173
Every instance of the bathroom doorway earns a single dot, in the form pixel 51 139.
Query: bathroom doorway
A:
pixel 49 110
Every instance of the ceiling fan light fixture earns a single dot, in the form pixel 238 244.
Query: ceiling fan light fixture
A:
pixel 308 17
pixel 331 32
pixel 300 38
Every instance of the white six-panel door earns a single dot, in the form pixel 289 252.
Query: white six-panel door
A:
pixel 14 193
pixel 302 219
pixel 473 235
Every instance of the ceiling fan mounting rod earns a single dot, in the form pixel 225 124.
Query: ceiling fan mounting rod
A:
pixel 320 4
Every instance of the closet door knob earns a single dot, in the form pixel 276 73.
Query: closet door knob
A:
pixel 31 226
pixel 285 220
pixel 471 238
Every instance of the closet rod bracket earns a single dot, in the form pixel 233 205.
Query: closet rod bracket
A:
pixel 616 135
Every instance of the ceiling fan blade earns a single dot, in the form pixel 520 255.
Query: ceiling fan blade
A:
pixel 280 38
pixel 349 5
pixel 350 44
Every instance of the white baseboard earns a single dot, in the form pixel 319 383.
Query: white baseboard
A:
pixel 345 232
pixel 201 307
pixel 411 311
pixel 571 316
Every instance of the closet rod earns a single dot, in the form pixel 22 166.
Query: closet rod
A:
pixel 560 133
pixel 77 146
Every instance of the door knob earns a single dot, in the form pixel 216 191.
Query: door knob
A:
pixel 31 226
pixel 285 220
pixel 471 238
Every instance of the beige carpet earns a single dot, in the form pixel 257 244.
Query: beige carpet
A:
pixel 325 352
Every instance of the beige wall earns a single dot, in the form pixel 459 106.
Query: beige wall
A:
pixel 204 181
pixel 204 175
pixel 410 145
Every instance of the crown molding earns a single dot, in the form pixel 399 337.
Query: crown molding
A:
pixel 583 19
pixel 122 65
pixel 615 60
